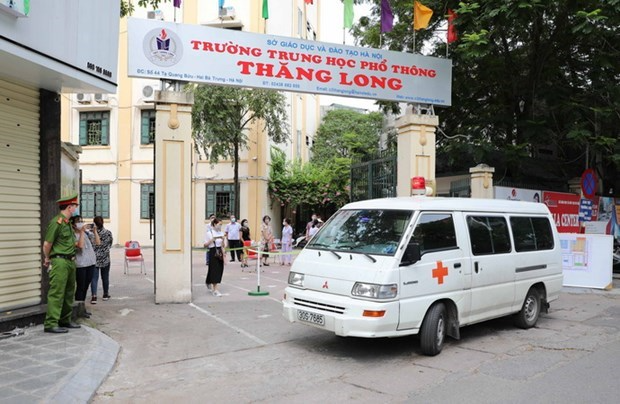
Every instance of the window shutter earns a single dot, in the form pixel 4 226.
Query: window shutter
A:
pixel 83 123
pixel 210 200
pixel 105 129
pixel 144 132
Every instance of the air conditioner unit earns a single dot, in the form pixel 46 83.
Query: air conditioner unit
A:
pixel 83 98
pixel 101 98
pixel 155 15
pixel 227 13
pixel 147 93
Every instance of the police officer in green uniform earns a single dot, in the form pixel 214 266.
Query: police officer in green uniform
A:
pixel 59 250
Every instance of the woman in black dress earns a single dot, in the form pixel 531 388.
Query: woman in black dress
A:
pixel 245 236
pixel 215 242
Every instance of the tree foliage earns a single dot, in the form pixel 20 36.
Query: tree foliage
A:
pixel 346 134
pixel 527 75
pixel 127 7
pixel 221 117
pixel 293 183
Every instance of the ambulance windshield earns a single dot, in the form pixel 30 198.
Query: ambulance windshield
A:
pixel 363 231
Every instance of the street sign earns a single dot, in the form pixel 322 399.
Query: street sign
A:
pixel 585 210
pixel 588 183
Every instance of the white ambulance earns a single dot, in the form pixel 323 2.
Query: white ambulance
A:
pixel 428 266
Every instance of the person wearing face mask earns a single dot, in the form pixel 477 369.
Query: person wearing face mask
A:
pixel 309 226
pixel 59 259
pixel 233 237
pixel 216 243
pixel 245 236
pixel 85 261
pixel 266 237
pixel 287 241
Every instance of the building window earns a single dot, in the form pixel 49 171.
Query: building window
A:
pixel 147 127
pixel 298 144
pixel 147 194
pixel 300 22
pixel 95 201
pixel 95 128
pixel 220 200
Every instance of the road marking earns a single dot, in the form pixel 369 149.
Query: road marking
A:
pixel 227 324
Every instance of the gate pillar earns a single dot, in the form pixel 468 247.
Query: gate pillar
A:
pixel 173 159
pixel 416 150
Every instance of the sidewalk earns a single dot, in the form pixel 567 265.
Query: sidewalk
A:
pixel 121 352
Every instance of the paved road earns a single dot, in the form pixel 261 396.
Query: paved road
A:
pixel 238 348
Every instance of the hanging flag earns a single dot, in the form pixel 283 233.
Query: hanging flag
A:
pixel 387 17
pixel 309 1
pixel 421 15
pixel 221 3
pixel 265 9
pixel 451 27
pixel 177 3
pixel 348 13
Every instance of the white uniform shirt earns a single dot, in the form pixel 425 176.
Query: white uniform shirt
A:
pixel 233 231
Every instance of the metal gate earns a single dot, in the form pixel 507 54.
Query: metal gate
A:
pixel 374 177
pixel 20 200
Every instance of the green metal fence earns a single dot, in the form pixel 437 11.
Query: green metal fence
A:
pixel 374 177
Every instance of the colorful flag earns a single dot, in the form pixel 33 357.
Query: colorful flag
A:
pixel 309 1
pixel 348 13
pixel 177 3
pixel 451 27
pixel 387 17
pixel 265 9
pixel 421 15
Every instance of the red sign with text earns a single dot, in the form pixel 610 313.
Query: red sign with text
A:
pixel 564 209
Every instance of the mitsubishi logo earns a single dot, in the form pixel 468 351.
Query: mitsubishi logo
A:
pixel 325 285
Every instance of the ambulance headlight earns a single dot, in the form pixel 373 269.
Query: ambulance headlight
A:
pixel 374 291
pixel 296 279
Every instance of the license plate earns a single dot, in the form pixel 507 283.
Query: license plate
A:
pixel 308 317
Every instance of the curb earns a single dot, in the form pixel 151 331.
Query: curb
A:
pixel 81 384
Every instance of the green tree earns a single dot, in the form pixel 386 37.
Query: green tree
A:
pixel 221 117
pixel 527 74
pixel 127 7
pixel 347 134
pixel 293 183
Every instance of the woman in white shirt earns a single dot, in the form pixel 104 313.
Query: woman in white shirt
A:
pixel 215 242
pixel 287 241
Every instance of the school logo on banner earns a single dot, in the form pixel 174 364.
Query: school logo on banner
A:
pixel 163 47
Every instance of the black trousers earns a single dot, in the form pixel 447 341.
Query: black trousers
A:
pixel 236 244
pixel 83 277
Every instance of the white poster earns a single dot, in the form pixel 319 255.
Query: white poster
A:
pixel 194 53
pixel 586 260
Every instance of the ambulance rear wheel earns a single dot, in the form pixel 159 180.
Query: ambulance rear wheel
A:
pixel 528 316
pixel 433 330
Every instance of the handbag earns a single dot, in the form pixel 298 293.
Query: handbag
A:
pixel 219 254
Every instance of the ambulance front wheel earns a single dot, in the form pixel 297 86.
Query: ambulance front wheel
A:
pixel 528 316
pixel 433 330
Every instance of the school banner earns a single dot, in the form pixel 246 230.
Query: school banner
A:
pixel 195 53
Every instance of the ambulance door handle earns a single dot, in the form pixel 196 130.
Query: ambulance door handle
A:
pixel 457 265
pixel 476 267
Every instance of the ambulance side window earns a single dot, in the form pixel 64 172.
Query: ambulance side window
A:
pixel 531 233
pixel 435 232
pixel 488 235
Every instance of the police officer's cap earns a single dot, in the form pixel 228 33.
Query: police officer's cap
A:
pixel 68 200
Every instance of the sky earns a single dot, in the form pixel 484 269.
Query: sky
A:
pixel 332 17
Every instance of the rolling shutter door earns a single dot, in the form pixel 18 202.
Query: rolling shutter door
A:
pixel 20 211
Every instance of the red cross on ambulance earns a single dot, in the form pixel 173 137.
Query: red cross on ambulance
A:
pixel 439 272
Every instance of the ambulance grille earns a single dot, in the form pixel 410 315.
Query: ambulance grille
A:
pixel 319 306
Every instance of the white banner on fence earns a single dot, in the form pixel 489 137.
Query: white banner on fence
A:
pixel 195 53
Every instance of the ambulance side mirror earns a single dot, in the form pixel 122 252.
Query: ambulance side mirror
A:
pixel 412 254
